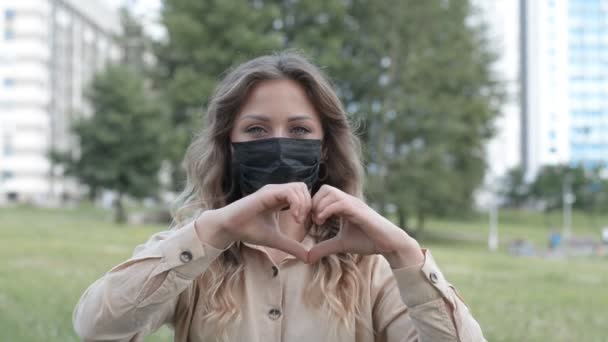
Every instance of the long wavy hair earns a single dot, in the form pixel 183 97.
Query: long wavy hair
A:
pixel 337 282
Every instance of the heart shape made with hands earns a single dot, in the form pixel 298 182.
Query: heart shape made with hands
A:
pixel 360 233
pixel 255 219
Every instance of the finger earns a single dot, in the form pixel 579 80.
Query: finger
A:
pixel 319 199
pixel 274 197
pixel 285 198
pixel 290 246
pixel 295 203
pixel 303 201
pixel 321 206
pixel 306 201
pixel 325 248
pixel 325 202
pixel 323 191
pixel 335 208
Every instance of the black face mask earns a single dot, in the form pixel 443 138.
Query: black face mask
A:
pixel 275 161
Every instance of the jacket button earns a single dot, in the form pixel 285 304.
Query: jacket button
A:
pixel 433 277
pixel 274 314
pixel 185 257
pixel 275 271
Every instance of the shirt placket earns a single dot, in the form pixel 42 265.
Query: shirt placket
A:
pixel 274 309
pixel 271 296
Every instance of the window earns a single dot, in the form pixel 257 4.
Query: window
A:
pixel 8 146
pixel 7 174
pixel 9 34
pixel 12 196
pixel 9 14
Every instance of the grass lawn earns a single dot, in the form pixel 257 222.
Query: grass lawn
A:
pixel 48 258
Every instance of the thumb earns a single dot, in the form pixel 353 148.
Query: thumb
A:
pixel 290 246
pixel 325 248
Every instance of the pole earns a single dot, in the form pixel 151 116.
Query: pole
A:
pixel 493 237
pixel 567 199
pixel 493 216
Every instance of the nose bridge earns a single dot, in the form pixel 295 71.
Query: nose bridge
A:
pixel 280 131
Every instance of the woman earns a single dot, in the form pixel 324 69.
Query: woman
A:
pixel 272 240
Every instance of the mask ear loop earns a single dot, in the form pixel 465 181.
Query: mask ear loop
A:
pixel 323 166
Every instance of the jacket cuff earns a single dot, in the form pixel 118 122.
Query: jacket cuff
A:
pixel 186 254
pixel 421 283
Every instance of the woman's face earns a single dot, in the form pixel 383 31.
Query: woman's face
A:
pixel 277 109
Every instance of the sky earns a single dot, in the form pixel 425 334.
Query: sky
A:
pixel 147 11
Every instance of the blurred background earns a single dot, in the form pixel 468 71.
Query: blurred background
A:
pixel 484 125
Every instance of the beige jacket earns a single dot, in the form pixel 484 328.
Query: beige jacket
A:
pixel 159 283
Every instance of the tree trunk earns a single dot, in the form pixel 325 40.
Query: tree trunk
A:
pixel 402 218
pixel 420 218
pixel 119 211
pixel 92 195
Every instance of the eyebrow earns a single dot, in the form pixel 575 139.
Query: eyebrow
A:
pixel 255 117
pixel 265 118
pixel 299 117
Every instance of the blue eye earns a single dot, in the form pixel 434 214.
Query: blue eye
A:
pixel 300 130
pixel 255 130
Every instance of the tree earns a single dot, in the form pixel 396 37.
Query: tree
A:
pixel 587 186
pixel 431 108
pixel 514 189
pixel 119 145
pixel 136 45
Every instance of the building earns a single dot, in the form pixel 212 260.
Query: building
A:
pixel 504 150
pixel 49 51
pixel 564 49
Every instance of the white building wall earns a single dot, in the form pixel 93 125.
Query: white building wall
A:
pixel 503 152
pixel 548 114
pixel 49 52
pixel 24 98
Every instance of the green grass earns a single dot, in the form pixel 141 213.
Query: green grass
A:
pixel 48 258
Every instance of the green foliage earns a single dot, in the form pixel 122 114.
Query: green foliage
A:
pixel 432 108
pixel 118 146
pixel 514 189
pixel 586 185
pixel 552 181
pixel 137 47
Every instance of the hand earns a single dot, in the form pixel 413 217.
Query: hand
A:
pixel 254 219
pixel 364 230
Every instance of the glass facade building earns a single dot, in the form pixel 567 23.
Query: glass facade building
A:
pixel 588 79
pixel 564 77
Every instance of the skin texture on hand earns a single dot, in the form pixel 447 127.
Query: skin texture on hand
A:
pixel 364 230
pixel 254 219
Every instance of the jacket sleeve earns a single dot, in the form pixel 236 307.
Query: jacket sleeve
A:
pixel 138 296
pixel 418 304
